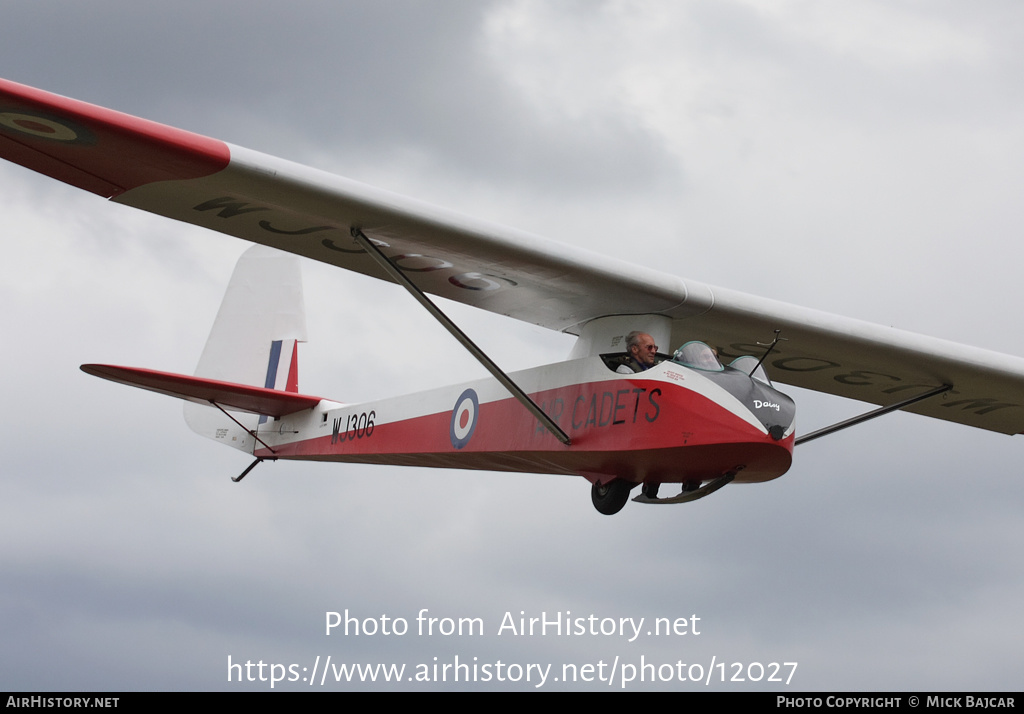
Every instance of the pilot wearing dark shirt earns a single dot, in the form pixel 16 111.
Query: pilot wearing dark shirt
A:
pixel 642 353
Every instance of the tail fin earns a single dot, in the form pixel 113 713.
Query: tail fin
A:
pixel 254 339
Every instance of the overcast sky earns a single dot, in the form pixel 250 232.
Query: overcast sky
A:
pixel 866 159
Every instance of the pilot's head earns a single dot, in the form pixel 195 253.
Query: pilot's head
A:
pixel 641 347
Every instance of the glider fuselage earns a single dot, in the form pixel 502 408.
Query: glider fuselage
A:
pixel 670 423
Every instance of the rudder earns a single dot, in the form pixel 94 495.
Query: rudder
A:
pixel 254 339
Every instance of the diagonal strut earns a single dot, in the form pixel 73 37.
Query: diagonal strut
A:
pixel 399 277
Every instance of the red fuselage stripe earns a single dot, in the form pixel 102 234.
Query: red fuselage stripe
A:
pixel 630 429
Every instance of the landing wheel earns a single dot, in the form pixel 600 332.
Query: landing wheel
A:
pixel 609 498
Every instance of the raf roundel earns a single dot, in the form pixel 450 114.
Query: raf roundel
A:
pixel 45 128
pixel 464 418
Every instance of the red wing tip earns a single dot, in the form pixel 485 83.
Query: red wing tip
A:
pixel 97 149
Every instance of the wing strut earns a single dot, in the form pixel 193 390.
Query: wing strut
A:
pixel 496 371
pixel 825 431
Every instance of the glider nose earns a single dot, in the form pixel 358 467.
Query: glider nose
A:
pixel 775 410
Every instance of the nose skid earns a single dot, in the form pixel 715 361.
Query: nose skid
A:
pixel 687 496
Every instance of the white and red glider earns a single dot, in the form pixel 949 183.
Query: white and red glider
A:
pixel 703 416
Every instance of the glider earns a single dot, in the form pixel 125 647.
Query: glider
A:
pixel 702 416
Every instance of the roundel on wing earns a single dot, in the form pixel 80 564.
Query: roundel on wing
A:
pixel 45 127
pixel 464 418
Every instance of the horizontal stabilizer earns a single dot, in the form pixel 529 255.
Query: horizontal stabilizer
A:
pixel 237 397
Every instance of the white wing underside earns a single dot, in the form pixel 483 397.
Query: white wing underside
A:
pixel 310 213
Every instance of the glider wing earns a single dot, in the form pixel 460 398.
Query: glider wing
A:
pixel 311 213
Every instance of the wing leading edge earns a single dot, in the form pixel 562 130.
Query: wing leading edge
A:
pixel 311 213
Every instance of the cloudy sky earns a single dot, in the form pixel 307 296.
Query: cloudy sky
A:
pixel 864 159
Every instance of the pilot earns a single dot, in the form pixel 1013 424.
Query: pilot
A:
pixel 642 353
